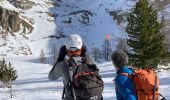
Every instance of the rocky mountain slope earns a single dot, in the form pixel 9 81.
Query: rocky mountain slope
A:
pixel 23 24
pixel 27 26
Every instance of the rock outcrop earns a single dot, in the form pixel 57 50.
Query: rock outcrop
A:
pixel 11 22
pixel 23 4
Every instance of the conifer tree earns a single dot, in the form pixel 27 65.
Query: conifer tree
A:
pixel 145 37
pixel 42 56
pixel 96 53
pixel 8 74
pixel 107 49
pixel 55 54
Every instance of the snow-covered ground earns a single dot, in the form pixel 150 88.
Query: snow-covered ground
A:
pixel 33 84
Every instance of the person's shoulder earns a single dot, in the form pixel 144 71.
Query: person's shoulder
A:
pixel 130 70
pixel 88 59
pixel 121 79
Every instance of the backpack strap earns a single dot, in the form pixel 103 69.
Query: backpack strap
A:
pixel 124 74
pixel 127 74
pixel 163 98
pixel 70 63
pixel 156 78
pixel 130 76
pixel 63 95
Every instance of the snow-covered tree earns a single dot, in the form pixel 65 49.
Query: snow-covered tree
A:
pixel 55 54
pixel 145 37
pixel 7 73
pixel 96 53
pixel 122 45
pixel 107 49
pixel 42 56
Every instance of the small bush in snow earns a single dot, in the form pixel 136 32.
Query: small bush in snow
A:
pixel 7 73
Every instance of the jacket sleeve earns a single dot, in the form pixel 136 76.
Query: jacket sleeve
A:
pixel 124 88
pixel 56 71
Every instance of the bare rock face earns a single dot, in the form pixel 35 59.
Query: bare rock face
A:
pixel 14 24
pixel 9 20
pixel 23 4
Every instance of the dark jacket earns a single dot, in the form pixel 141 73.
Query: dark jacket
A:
pixel 62 70
pixel 124 86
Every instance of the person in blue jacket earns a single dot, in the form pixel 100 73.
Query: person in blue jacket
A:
pixel 123 85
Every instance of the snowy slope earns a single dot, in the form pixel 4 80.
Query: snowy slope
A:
pixel 44 26
pixel 100 24
pixel 93 33
pixel 33 84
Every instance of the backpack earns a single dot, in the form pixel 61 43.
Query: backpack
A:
pixel 146 84
pixel 85 80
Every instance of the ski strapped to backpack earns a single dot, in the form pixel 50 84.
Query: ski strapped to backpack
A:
pixel 146 83
pixel 86 83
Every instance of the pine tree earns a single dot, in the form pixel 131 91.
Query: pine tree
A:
pixel 122 45
pixel 96 53
pixel 55 54
pixel 145 36
pixel 42 56
pixel 8 74
pixel 107 49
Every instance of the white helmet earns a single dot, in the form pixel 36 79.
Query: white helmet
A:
pixel 74 42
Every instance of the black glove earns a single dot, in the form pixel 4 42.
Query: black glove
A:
pixel 63 53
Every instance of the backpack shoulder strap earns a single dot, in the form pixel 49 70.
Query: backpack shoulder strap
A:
pixel 124 74
pixel 70 63
pixel 130 76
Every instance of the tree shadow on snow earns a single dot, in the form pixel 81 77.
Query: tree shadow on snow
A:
pixel 165 81
pixel 34 80
pixel 41 89
pixel 47 60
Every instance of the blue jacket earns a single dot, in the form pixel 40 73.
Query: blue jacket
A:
pixel 124 85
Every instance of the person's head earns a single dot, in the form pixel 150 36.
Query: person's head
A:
pixel 74 45
pixel 119 59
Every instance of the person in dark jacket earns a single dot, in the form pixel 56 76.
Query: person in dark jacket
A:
pixel 123 85
pixel 73 49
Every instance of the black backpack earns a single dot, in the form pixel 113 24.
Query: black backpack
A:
pixel 85 80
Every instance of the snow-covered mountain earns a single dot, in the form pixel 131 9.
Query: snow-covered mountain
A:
pixel 89 18
pixel 42 19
